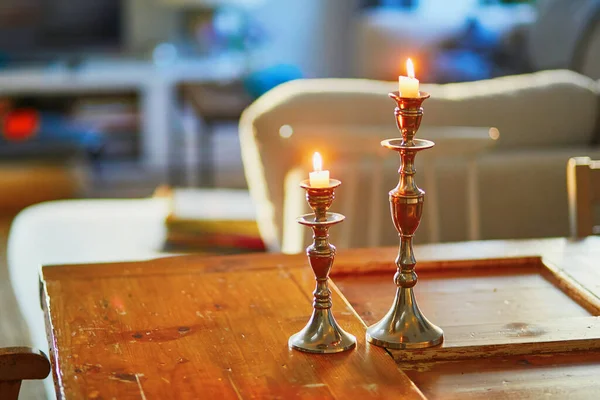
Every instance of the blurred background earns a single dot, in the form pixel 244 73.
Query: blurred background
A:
pixel 112 98
pixel 141 99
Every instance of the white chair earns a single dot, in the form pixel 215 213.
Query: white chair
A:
pixel 520 181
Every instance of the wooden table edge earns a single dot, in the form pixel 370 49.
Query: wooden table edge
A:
pixel 52 348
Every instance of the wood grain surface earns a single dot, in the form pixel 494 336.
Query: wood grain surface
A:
pixel 145 330
pixel 196 330
pixel 554 376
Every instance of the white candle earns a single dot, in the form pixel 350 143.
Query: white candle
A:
pixel 318 178
pixel 408 85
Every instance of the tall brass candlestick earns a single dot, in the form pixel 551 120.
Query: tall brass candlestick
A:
pixel 405 326
pixel 322 334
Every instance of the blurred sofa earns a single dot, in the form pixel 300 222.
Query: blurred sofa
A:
pixel 543 118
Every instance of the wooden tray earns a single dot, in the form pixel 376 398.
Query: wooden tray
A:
pixel 495 307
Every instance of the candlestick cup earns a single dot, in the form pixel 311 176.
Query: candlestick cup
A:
pixel 405 326
pixel 321 334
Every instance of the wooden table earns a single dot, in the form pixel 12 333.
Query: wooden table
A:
pixel 519 320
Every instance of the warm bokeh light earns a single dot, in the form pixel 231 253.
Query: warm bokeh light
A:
pixel 286 131
pixel 494 133
pixel 410 68
pixel 20 125
pixel 317 162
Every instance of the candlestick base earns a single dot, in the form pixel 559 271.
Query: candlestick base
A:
pixel 322 335
pixel 404 326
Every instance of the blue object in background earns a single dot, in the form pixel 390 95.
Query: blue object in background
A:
pixel 476 37
pixel 58 128
pixel 468 57
pixel 259 82
pixel 461 66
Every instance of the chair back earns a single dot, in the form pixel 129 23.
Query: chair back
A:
pixel 280 132
pixel 583 189
pixel 18 364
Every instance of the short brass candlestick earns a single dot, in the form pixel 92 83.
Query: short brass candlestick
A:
pixel 322 334
pixel 405 326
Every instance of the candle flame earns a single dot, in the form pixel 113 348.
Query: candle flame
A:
pixel 410 68
pixel 317 162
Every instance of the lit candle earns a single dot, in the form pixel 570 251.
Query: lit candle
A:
pixel 318 178
pixel 409 85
